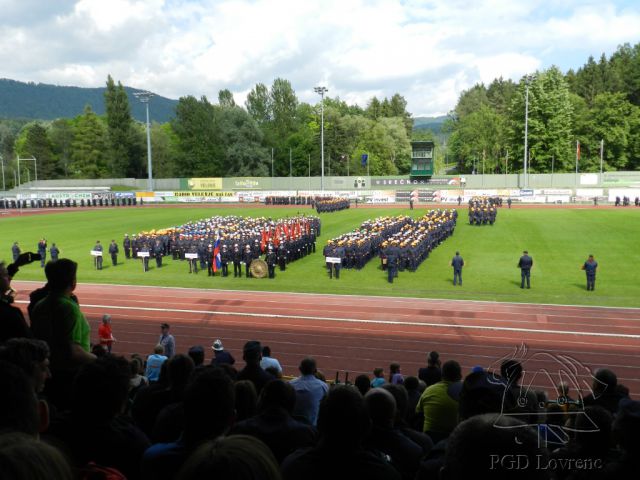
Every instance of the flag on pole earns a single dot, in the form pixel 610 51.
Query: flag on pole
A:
pixel 578 149
pixel 365 159
pixel 217 261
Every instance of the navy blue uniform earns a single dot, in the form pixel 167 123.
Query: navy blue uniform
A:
pixel 525 264
pixel 590 267
pixel 457 263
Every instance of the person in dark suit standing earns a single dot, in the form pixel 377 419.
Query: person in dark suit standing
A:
pixel 590 267
pixel 126 243
pixel 247 258
pixel 272 261
pixel 15 250
pixel 525 264
pixel 98 248
pixel 54 251
pixel 113 251
pixel 457 263
pixel 236 256
pixel 42 250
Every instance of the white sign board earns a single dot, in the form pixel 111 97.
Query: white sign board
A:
pixel 96 253
pixel 333 259
pixel 190 255
pixel 143 254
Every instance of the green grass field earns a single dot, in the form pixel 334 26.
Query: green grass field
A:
pixel 559 241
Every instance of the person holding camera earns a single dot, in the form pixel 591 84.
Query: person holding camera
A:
pixel 13 324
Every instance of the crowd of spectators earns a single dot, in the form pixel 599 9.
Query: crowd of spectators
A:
pixel 67 413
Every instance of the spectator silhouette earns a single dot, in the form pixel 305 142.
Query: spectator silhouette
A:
pixel 95 429
pixel 343 424
pixel 309 391
pixel 240 457
pixel 209 402
pixel 274 424
pixel 404 453
pixel 605 391
pixel 252 354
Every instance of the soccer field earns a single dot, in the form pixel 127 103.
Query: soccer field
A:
pixel 559 241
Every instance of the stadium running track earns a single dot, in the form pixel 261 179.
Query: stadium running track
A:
pixel 356 333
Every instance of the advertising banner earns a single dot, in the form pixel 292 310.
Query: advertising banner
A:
pixel 375 182
pixel 212 183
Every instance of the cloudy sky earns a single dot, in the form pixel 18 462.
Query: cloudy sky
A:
pixel 427 50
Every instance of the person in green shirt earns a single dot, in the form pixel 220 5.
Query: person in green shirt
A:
pixel 57 320
pixel 439 403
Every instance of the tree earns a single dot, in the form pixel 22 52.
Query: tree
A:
pixel 550 138
pixel 62 135
pixel 34 142
pixel 374 109
pixel 258 104
pixel 198 142
pixel 241 137
pixel 225 99
pixel 125 152
pixel 164 145
pixel 612 118
pixel 88 157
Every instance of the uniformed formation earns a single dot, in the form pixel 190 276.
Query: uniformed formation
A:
pixel 216 242
pixel 356 248
pixel 325 205
pixel 483 211
pixel 68 203
pixel 408 248
pixel 282 200
pixel 626 201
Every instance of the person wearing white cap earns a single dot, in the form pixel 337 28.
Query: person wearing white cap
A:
pixel 221 356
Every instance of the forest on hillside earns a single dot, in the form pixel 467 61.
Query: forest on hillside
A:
pixel 598 105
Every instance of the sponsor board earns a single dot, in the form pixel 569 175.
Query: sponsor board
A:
pixel 589 192
pixel 203 194
pixel 246 183
pixel 588 179
pixel 557 191
pixel 414 181
pixel 212 183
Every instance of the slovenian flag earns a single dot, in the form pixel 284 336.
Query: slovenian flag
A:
pixel 216 256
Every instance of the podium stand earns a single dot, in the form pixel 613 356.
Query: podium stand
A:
pixel 145 260
pixel 97 258
pixel 193 261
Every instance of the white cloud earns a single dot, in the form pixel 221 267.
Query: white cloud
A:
pixel 427 50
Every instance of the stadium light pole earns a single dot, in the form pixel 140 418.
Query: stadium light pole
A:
pixel 144 97
pixel 527 79
pixel 2 163
pixel 321 91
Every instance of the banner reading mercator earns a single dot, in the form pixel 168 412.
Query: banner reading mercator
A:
pixel 201 183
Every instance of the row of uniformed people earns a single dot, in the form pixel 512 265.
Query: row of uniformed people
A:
pixel 410 247
pixel 326 205
pixel 356 248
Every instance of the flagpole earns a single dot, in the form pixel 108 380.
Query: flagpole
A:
pixel 577 158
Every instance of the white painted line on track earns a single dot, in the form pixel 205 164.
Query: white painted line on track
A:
pixel 362 321
pixel 394 299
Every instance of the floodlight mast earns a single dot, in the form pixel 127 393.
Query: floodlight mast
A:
pixel 144 97
pixel 321 91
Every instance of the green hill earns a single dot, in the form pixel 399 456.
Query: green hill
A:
pixel 48 102
pixel 429 123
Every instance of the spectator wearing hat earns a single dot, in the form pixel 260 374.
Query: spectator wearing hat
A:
pixel 167 340
pixel 104 333
pixel 268 361
pixel 309 391
pixel 252 354
pixel 221 356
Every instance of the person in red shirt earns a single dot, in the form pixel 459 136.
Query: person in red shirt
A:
pixel 104 333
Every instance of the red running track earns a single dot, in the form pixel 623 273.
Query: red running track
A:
pixel 357 333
